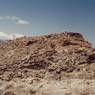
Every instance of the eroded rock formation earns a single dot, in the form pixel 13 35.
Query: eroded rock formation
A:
pixel 54 56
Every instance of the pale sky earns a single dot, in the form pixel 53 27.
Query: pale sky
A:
pixel 39 17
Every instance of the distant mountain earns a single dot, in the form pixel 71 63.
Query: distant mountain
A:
pixel 9 36
pixel 2 41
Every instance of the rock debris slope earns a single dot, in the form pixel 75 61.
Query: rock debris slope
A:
pixel 49 57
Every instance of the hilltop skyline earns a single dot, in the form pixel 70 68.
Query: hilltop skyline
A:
pixel 40 17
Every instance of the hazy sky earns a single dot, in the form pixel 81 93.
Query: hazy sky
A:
pixel 37 17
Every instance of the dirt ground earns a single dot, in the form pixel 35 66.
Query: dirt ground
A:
pixel 48 87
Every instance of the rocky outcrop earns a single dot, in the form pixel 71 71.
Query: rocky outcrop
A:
pixel 49 56
pixel 55 64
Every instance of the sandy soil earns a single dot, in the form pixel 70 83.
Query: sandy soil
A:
pixel 48 87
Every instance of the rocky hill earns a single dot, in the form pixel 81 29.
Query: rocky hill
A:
pixel 49 57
